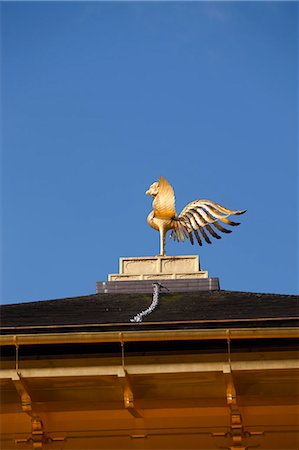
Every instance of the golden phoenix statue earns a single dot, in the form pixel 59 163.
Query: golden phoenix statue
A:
pixel 197 215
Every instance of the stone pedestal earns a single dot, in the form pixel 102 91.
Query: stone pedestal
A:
pixel 158 268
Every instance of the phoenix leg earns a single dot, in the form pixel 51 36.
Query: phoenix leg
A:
pixel 162 241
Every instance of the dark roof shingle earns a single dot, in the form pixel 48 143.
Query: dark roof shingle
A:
pixel 212 309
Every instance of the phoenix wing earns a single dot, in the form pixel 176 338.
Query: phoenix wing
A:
pixel 164 203
pixel 198 217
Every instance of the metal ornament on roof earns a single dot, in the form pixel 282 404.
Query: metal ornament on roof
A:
pixel 196 218
pixel 156 291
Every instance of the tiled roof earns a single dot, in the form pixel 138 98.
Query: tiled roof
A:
pixel 214 309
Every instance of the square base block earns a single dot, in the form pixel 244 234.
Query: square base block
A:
pixel 158 268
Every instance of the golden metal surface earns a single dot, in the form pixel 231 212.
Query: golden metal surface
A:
pixel 236 433
pixel 38 436
pixel 148 335
pixel 124 380
pixel 128 393
pixel 198 215
pixel 233 400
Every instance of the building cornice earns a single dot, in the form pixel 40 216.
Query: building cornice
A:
pixel 148 335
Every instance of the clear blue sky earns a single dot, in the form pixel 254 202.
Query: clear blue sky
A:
pixel 101 98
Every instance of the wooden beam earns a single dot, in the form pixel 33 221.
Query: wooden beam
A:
pixel 128 393
pixel 148 335
pixel 148 369
pixel 38 437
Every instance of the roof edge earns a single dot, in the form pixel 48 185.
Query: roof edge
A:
pixel 148 335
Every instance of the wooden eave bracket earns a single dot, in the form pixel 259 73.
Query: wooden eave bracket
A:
pixel 38 437
pixel 236 432
pixel 128 393
pixel 236 425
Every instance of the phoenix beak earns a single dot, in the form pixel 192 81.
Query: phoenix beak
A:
pixel 147 192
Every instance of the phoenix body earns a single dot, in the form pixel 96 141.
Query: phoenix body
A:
pixel 195 220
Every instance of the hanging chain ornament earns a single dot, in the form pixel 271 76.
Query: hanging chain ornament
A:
pixel 156 291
